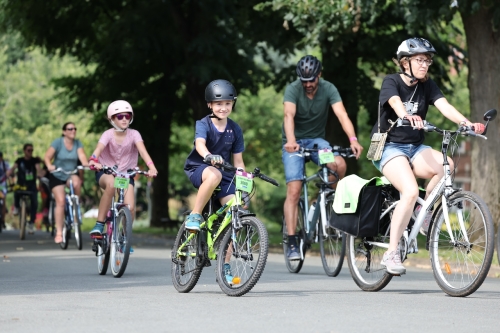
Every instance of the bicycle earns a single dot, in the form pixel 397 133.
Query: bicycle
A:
pixel 331 240
pixel 117 236
pixel 72 212
pixel 460 240
pixel 231 233
pixel 24 202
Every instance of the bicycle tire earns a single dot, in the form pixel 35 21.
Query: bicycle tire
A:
pixel 121 242
pixel 461 267
pixel 77 225
pixel 66 235
pixel 22 219
pixel 184 282
pixel 364 258
pixel 103 255
pixel 251 241
pixel 294 266
pixel 52 222
pixel 332 245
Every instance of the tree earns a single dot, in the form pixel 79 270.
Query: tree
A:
pixel 159 55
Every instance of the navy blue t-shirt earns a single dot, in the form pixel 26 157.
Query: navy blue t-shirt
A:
pixel 225 143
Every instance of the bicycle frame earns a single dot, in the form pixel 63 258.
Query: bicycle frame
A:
pixel 230 208
pixel 443 189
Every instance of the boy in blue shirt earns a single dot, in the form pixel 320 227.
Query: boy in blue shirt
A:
pixel 216 139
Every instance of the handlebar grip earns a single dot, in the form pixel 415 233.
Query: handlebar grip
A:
pixel 268 179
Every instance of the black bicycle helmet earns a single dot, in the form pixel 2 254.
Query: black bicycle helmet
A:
pixel 414 46
pixel 308 68
pixel 220 90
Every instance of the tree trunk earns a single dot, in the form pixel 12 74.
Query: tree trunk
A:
pixel 484 81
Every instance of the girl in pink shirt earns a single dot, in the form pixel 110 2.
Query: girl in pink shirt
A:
pixel 119 146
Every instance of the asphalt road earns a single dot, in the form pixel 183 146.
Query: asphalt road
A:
pixel 46 289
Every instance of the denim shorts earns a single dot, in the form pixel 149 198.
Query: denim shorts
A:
pixel 392 150
pixel 294 162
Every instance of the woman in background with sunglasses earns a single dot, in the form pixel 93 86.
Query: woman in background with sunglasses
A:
pixel 64 152
pixel 119 146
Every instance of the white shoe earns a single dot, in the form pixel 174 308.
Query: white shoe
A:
pixel 15 211
pixel 392 263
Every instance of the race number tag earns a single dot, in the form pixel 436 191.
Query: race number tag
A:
pixel 121 183
pixel 326 156
pixel 244 181
pixel 29 176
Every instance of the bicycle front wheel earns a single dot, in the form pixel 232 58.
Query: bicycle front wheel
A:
pixel 331 245
pixel 66 235
pixel 22 219
pixel 294 266
pixel 242 257
pixel 461 260
pixel 77 226
pixel 186 266
pixel 121 242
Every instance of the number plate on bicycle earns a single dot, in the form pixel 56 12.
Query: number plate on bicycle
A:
pixel 326 156
pixel 244 181
pixel 121 183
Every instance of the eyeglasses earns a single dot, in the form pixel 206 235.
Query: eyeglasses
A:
pixel 421 61
pixel 71 129
pixel 29 150
pixel 122 115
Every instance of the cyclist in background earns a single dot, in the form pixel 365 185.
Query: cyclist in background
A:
pixel 307 103
pixel 407 95
pixel 65 152
pixel 4 167
pixel 28 169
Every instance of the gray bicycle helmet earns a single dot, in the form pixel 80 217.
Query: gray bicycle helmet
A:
pixel 308 68
pixel 220 90
pixel 414 46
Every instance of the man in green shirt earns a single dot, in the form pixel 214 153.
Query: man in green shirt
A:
pixel 306 105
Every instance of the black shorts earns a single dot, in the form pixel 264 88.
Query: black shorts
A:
pixel 53 181
pixel 99 174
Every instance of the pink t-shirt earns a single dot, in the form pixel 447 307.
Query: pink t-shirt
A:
pixel 125 155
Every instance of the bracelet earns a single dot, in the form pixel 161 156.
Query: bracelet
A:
pixel 353 138
pixel 463 122
pixel 149 163
pixel 93 158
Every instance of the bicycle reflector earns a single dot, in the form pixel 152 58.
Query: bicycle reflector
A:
pixel 236 280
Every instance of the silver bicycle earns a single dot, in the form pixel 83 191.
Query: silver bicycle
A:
pixel 460 241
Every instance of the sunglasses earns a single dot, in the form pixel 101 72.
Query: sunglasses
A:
pixel 29 150
pixel 123 115
pixel 71 129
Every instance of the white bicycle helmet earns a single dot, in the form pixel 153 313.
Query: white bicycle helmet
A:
pixel 117 107
pixel 414 46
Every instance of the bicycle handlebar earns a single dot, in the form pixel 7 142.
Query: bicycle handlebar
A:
pixel 130 173
pixel 79 167
pixel 256 172
pixel 344 152
pixel 463 130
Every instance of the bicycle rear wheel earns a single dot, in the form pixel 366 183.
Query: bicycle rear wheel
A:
pixel 331 245
pixel 461 264
pixel 121 242
pixel 294 266
pixel 77 226
pixel 245 251
pixel 364 257
pixel 186 266
pixel 103 252
pixel 22 218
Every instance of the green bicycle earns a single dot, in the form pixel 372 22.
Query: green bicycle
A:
pixel 230 233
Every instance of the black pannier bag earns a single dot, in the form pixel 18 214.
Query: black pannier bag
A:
pixel 364 222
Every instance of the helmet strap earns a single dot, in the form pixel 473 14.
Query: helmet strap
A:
pixel 117 129
pixel 412 77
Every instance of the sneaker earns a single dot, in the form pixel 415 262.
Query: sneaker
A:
pixel 293 253
pixel 193 222
pixel 130 251
pixel 228 274
pixel 424 229
pixel 31 228
pixel 97 230
pixel 392 263
pixel 15 211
